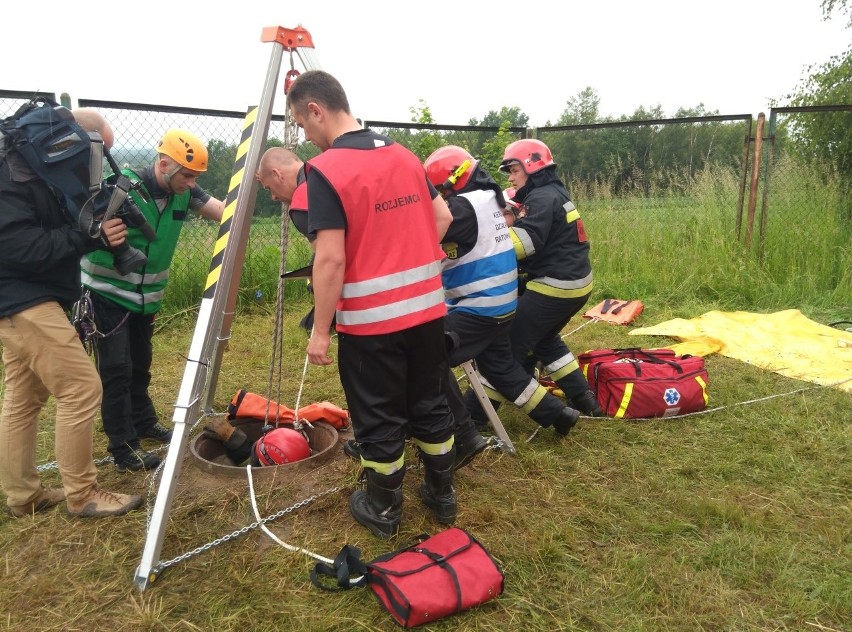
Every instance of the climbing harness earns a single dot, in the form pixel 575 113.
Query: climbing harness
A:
pixel 83 319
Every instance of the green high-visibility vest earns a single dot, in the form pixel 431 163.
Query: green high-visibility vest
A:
pixel 141 291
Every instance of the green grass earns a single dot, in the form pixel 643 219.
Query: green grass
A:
pixel 737 519
pixel 734 520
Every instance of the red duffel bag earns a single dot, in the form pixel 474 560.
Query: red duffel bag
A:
pixel 440 576
pixel 443 575
pixel 638 383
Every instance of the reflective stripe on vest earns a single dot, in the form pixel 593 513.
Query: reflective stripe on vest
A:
pixel 391 281
pixel 484 281
pixel 140 292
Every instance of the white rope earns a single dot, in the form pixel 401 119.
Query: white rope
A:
pixel 588 322
pixel 274 537
pixel 297 423
pixel 352 581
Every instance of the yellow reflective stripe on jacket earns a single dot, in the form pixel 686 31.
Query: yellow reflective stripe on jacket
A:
pixel 559 288
pixel 521 242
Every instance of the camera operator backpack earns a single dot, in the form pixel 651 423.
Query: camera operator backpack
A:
pixel 70 160
pixel 58 151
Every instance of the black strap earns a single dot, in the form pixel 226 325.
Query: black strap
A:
pixel 234 407
pixel 347 564
pixel 616 310
pixel 607 304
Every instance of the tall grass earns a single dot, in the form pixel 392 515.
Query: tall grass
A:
pixel 682 249
pixel 675 245
pixel 260 266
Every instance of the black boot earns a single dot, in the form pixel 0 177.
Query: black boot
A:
pixel 469 448
pixel 587 403
pixel 379 507
pixel 567 420
pixel 352 449
pixel 437 489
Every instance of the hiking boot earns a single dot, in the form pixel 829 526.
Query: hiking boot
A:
pixel 135 460
pixel 352 449
pixel 46 498
pixel 100 503
pixel 157 432
pixel 467 450
pixel 567 420
pixel 587 403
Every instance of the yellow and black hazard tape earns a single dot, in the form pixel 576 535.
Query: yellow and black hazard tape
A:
pixel 230 204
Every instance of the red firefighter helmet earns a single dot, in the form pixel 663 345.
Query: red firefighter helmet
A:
pixel 449 167
pixel 281 445
pixel 533 156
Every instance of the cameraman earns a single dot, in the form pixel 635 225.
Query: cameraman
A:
pixel 125 305
pixel 42 355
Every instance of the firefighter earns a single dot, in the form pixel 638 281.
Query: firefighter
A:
pixel 550 243
pixel 378 222
pixel 480 289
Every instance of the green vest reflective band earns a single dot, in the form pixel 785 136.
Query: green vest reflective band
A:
pixel 141 291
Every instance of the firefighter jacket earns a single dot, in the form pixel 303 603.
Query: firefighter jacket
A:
pixel 483 280
pixel 141 291
pixel 550 242
pixel 392 276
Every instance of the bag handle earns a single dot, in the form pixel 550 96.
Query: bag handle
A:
pixel 347 563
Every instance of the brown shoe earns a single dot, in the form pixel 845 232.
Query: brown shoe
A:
pixel 46 499
pixel 100 503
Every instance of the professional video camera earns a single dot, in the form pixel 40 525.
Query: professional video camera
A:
pixel 112 200
pixel 69 159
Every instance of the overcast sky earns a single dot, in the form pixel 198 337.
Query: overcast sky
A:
pixel 462 58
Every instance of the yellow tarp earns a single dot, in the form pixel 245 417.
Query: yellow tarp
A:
pixel 785 342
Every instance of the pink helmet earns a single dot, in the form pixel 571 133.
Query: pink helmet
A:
pixel 533 155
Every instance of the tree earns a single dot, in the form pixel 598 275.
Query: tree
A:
pixel 825 137
pixel 424 142
pixel 842 6
pixel 583 109
pixel 506 117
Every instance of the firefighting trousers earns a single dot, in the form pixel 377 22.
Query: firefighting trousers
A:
pixel 395 386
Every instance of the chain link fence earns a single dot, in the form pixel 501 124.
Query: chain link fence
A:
pixel 622 175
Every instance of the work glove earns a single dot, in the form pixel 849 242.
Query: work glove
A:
pixel 220 429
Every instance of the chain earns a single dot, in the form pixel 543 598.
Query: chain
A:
pixel 239 532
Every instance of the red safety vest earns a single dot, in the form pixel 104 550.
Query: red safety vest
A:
pixel 300 199
pixel 392 278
